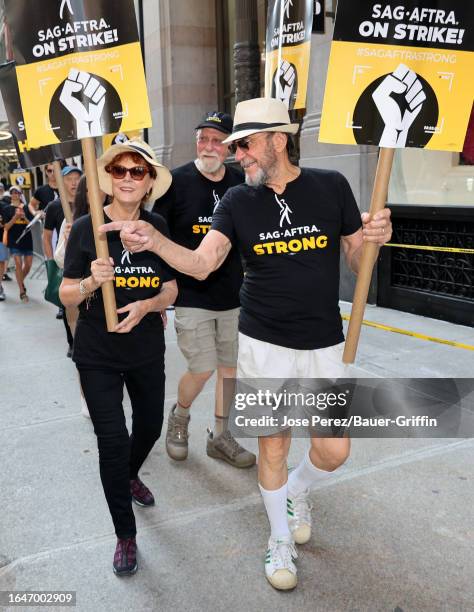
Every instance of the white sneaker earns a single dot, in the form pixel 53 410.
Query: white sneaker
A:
pixel 84 408
pixel 280 569
pixel 299 517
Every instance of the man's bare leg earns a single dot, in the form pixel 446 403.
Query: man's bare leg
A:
pixel 322 459
pixel 189 387
pixel 222 405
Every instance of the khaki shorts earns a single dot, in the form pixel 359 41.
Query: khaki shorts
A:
pixel 207 338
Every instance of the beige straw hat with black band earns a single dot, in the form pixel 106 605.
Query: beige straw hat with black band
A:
pixel 163 175
pixel 261 115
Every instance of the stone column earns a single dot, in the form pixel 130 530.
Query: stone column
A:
pixel 180 43
pixel 246 51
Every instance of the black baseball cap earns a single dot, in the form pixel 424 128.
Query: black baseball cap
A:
pixel 219 121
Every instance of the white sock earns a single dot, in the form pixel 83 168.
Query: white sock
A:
pixel 305 476
pixel 275 505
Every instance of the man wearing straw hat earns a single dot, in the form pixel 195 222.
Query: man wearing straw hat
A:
pixel 289 224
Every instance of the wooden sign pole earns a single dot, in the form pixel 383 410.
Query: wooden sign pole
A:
pixel 97 213
pixel 369 256
pixel 62 191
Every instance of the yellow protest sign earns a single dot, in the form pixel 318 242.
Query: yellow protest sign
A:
pixel 400 75
pixel 79 69
pixel 21 179
pixel 288 49
pixel 109 139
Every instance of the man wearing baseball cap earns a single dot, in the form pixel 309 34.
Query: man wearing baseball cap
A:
pixel 206 311
pixel 289 224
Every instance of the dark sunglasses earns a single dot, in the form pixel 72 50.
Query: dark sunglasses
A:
pixel 137 173
pixel 50 171
pixel 243 143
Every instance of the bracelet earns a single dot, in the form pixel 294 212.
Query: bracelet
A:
pixel 83 290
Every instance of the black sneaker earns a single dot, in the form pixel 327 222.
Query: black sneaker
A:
pixel 2 294
pixel 6 277
pixel 60 313
pixel 141 494
pixel 125 558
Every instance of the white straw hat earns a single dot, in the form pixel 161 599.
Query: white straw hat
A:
pixel 163 176
pixel 261 115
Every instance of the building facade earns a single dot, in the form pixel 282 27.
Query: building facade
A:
pixel 209 54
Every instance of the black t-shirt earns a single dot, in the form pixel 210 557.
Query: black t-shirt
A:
pixel 291 248
pixel 3 205
pixel 45 194
pixel 188 207
pixel 16 230
pixel 54 216
pixel 138 276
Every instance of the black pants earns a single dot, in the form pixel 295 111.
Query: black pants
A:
pixel 70 337
pixel 121 456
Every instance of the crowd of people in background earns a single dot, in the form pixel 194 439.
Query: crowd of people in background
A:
pixel 16 241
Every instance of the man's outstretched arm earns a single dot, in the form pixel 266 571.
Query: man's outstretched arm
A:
pixel 139 236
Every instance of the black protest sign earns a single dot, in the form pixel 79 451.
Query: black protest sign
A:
pixel 28 157
pixel 79 67
pixel 288 48
pixel 441 24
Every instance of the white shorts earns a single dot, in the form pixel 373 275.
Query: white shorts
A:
pixel 263 367
pixel 259 359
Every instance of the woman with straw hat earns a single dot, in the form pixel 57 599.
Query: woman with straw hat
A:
pixel 134 353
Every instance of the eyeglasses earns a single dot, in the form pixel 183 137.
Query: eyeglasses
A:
pixel 214 142
pixel 137 173
pixel 50 171
pixel 243 143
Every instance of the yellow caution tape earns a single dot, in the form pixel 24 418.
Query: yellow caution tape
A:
pixel 405 332
pixel 429 248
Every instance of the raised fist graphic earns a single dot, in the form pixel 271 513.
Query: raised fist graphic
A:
pixel 87 115
pixel 284 82
pixel 20 180
pixel 397 119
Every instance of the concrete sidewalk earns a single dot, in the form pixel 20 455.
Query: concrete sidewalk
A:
pixel 393 531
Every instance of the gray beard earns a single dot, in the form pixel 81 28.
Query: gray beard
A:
pixel 208 167
pixel 258 180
